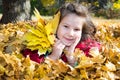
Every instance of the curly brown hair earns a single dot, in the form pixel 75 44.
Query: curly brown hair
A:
pixel 89 28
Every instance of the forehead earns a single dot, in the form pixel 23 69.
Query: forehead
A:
pixel 73 19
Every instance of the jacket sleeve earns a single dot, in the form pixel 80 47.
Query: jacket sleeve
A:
pixel 34 56
pixel 86 45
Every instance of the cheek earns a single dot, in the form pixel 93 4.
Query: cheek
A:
pixel 78 35
pixel 60 32
pixel 60 29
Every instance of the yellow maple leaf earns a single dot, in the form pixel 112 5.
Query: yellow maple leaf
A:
pixel 84 74
pixel 41 37
pixel 39 18
pixel 2 69
pixel 109 66
pixel 51 28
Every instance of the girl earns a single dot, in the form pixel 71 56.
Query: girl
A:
pixel 75 30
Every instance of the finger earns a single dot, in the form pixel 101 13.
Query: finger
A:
pixel 59 44
pixel 72 47
pixel 55 40
pixel 76 41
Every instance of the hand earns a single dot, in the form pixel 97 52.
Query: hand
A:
pixel 70 51
pixel 57 50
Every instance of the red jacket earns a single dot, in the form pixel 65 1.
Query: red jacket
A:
pixel 84 45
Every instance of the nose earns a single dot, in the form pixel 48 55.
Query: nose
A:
pixel 71 33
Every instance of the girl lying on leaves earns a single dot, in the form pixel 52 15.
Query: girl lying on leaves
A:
pixel 75 30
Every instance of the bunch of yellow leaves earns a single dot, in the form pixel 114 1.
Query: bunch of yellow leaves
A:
pixel 42 36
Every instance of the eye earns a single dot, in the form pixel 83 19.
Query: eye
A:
pixel 77 29
pixel 65 26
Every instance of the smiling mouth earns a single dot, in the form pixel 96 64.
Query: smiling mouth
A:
pixel 69 40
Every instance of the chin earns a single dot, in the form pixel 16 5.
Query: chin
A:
pixel 68 44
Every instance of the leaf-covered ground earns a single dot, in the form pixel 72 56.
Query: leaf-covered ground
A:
pixel 104 65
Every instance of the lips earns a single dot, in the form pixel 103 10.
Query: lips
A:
pixel 68 40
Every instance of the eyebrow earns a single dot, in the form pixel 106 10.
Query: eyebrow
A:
pixel 66 24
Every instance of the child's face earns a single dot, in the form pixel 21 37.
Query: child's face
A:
pixel 70 29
